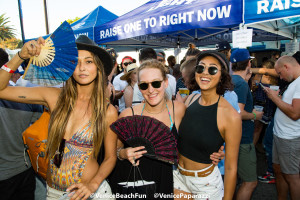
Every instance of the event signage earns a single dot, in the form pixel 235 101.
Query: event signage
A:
pixel 242 38
pixel 162 16
pixel 266 10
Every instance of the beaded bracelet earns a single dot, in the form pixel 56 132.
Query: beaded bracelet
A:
pixel 118 153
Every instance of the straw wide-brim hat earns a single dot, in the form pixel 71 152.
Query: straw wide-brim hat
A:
pixel 130 69
pixel 85 43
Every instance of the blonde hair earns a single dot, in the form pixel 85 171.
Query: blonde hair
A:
pixel 153 64
pixel 65 105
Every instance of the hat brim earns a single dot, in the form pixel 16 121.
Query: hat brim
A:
pixel 101 53
pixel 126 76
pixel 219 56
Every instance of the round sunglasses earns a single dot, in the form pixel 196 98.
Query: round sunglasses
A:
pixel 211 70
pixel 127 63
pixel 155 84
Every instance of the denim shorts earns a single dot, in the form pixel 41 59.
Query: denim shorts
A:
pixel 209 187
pixel 104 189
pixel 286 153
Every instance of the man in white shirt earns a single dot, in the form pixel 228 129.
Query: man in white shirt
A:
pixel 120 85
pixel 286 141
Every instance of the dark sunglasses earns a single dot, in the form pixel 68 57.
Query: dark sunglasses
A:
pixel 59 154
pixel 126 64
pixel 211 70
pixel 155 84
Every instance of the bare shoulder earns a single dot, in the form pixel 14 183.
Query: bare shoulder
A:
pixel 111 114
pixel 126 112
pixel 191 98
pixel 179 107
pixel 228 112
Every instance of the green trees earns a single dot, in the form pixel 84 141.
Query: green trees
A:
pixel 6 32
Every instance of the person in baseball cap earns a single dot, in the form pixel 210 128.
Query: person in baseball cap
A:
pixel 225 48
pixel 240 55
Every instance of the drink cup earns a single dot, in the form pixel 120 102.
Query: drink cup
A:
pixel 259 108
pixel 274 87
pixel 184 92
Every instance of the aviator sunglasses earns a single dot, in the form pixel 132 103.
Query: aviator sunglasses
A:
pixel 211 70
pixel 59 154
pixel 126 64
pixel 155 84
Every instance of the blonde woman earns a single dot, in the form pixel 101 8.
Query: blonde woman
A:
pixel 79 123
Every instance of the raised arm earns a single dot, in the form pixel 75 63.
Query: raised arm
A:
pixel 37 95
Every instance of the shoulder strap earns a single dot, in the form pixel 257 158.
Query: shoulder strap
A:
pixel 173 112
pixel 192 98
pixel 132 110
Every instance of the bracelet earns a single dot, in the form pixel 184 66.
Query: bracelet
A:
pixel 9 70
pixel 254 115
pixel 20 56
pixel 118 153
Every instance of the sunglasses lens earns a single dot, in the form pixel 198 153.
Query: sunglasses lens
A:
pixel 129 63
pixel 212 70
pixel 156 84
pixel 200 69
pixel 143 86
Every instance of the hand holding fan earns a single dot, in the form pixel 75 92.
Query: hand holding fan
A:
pixel 57 60
pixel 146 131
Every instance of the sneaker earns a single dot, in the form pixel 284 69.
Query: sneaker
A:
pixel 267 178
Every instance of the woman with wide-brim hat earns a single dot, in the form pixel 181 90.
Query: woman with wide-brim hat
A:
pixel 79 123
pixel 131 78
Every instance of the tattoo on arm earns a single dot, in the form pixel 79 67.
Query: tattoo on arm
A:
pixel 22 97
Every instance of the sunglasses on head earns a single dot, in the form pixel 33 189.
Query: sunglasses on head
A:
pixel 59 154
pixel 155 84
pixel 211 70
pixel 126 64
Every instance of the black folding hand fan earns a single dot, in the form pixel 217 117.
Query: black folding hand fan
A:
pixel 146 131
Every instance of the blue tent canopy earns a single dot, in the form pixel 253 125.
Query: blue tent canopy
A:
pixel 164 23
pixel 86 24
pixel 173 23
pixel 280 17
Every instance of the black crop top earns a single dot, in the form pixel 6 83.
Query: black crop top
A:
pixel 199 135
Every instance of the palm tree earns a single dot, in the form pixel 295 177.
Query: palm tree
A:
pixel 6 32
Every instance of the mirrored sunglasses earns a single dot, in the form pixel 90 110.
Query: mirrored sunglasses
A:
pixel 155 84
pixel 211 70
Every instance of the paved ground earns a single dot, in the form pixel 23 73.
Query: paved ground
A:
pixel 263 191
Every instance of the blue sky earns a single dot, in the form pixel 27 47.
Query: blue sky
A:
pixel 58 11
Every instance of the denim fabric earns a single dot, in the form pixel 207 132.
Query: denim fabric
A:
pixel 268 144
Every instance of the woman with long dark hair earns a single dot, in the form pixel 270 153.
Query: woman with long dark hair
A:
pixel 79 123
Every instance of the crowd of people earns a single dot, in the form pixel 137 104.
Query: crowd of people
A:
pixel 216 127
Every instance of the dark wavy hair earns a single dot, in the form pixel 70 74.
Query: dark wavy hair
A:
pixel 225 79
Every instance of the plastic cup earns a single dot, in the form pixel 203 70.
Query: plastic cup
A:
pixel 274 87
pixel 259 108
pixel 184 92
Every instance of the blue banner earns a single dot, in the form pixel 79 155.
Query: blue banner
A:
pixel 165 16
pixel 265 10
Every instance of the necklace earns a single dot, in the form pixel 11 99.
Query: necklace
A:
pixel 155 112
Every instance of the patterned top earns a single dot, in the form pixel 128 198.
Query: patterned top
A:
pixel 76 153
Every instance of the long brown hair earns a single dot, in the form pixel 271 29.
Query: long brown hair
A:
pixel 65 105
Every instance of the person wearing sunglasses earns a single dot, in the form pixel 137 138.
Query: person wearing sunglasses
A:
pixel 120 85
pixel 152 82
pixel 209 121
pixel 131 78
pixel 79 122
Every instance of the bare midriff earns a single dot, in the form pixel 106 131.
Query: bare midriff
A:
pixel 189 164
